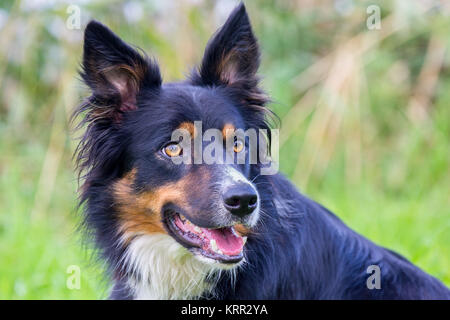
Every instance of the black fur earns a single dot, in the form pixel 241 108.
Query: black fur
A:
pixel 303 251
pixel 299 250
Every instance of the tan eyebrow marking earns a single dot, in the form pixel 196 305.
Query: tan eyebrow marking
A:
pixel 189 126
pixel 228 129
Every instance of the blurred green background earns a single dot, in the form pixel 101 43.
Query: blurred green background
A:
pixel 365 119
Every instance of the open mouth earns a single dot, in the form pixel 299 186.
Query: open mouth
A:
pixel 220 244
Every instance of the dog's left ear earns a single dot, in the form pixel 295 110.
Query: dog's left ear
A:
pixel 232 55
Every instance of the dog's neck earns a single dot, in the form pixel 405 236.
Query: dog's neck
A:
pixel 161 269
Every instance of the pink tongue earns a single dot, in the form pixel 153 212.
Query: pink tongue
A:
pixel 226 240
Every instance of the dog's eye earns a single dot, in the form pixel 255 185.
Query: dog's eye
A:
pixel 172 150
pixel 238 146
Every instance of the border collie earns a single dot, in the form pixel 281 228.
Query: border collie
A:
pixel 202 230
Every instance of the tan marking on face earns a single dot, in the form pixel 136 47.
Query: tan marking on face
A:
pixel 242 230
pixel 189 126
pixel 140 213
pixel 133 214
pixel 228 130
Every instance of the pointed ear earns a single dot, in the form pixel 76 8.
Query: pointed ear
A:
pixel 114 71
pixel 232 55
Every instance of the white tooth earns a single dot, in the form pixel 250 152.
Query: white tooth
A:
pixel 245 239
pixel 219 251
pixel 213 245
pixel 197 229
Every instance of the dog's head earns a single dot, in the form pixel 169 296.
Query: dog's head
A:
pixel 167 154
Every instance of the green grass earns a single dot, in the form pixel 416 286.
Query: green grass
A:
pixel 37 247
pixel 383 171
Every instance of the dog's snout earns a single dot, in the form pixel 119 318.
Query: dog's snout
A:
pixel 240 200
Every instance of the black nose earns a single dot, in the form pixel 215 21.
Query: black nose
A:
pixel 240 200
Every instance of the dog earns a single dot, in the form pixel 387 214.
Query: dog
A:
pixel 197 230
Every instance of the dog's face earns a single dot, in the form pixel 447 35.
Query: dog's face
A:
pixel 164 185
pixel 196 204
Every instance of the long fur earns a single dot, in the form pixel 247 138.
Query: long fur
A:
pixel 163 269
pixel 297 249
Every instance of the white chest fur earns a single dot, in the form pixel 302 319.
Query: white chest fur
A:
pixel 166 270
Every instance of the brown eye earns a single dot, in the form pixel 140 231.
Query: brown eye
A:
pixel 238 146
pixel 172 150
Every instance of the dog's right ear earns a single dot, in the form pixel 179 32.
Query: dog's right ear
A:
pixel 115 72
